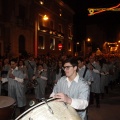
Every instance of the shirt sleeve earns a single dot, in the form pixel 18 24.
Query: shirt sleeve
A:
pixel 44 78
pixel 4 80
pixel 96 71
pixel 79 103
pixel 18 79
pixel 52 94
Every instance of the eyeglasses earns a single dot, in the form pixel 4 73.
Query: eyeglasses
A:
pixel 67 67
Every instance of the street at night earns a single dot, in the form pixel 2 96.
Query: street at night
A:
pixel 59 60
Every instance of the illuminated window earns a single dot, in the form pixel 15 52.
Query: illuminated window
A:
pixel 69 47
pixel 60 12
pixel 41 42
pixel 52 44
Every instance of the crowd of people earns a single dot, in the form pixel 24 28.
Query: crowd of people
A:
pixel 77 81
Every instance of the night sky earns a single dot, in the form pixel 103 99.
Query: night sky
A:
pixel 109 20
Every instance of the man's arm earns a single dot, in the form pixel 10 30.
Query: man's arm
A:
pixel 78 103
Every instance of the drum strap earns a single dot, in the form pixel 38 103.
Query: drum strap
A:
pixel 85 71
pixel 30 65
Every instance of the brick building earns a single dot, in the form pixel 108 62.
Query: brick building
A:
pixel 22 27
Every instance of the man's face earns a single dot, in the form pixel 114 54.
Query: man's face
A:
pixel 91 59
pixel 60 64
pixel 40 67
pixel 13 64
pixel 80 64
pixel 31 58
pixel 20 63
pixel 69 69
pixel 6 61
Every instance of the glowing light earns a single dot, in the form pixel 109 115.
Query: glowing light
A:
pixel 45 17
pixel 60 46
pixel 88 39
pixel 60 14
pixel 99 10
pixel 41 2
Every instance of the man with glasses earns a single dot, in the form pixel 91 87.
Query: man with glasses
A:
pixel 72 89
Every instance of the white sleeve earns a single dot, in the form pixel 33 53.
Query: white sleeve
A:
pixel 19 79
pixel 96 71
pixel 52 94
pixel 102 73
pixel 79 103
pixel 44 78
pixel 4 80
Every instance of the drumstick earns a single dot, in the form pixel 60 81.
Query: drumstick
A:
pixel 49 108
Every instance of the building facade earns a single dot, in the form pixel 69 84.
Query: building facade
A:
pixel 36 27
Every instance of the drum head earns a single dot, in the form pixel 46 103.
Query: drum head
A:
pixel 53 110
pixel 6 101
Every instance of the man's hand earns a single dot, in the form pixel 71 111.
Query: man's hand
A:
pixel 12 76
pixel 63 98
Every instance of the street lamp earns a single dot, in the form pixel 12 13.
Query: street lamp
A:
pixel 88 40
pixel 76 52
pixel 77 45
pixel 84 45
pixel 41 2
pixel 45 17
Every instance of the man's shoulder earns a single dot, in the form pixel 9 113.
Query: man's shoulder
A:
pixel 81 81
pixel 81 78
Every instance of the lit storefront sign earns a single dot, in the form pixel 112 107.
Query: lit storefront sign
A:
pixel 60 46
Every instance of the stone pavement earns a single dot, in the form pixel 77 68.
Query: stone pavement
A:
pixel 109 107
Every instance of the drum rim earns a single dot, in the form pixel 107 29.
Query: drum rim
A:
pixel 40 104
pixel 6 99
pixel 37 105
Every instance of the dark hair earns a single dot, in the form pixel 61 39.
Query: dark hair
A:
pixel 40 65
pixel 14 60
pixel 72 61
pixel 21 61
pixel 102 61
pixel 57 68
pixel 80 59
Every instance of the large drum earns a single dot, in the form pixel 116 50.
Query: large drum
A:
pixel 50 110
pixel 7 107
